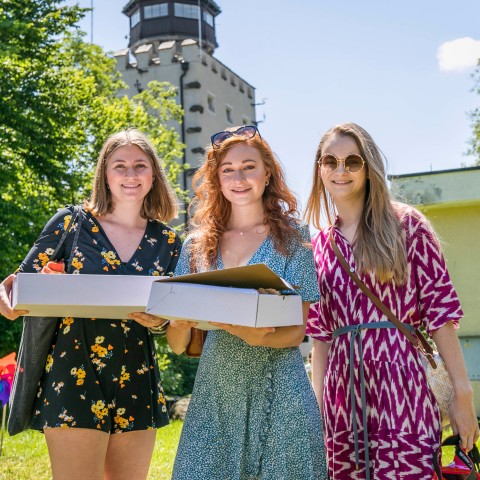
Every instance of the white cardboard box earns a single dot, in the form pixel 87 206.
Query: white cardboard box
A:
pixel 82 296
pixel 226 296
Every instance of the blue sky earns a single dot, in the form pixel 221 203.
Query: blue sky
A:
pixel 402 70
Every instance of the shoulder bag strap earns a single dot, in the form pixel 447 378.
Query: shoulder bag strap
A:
pixel 76 217
pixel 417 340
pixel 79 218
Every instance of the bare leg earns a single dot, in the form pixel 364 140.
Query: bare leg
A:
pixel 77 453
pixel 129 455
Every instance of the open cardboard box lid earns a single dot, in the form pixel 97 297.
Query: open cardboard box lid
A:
pixel 249 276
pixel 227 296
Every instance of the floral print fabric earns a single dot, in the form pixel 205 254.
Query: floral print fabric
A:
pixel 102 374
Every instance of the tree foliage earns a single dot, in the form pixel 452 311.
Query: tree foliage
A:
pixel 59 101
pixel 475 118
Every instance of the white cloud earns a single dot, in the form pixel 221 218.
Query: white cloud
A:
pixel 458 55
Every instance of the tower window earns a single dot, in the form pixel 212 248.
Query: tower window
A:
pixel 153 11
pixel 186 11
pixel 135 18
pixel 211 103
pixel 228 111
pixel 208 18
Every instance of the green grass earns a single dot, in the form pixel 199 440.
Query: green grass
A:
pixel 25 456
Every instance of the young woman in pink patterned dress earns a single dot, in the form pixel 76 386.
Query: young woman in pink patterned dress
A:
pixel 394 250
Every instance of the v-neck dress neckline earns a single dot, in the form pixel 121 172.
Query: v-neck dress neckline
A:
pixel 102 231
pixel 221 265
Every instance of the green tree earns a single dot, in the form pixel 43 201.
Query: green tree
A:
pixel 474 149
pixel 58 103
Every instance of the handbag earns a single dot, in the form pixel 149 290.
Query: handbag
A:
pixel 432 362
pixel 465 466
pixel 35 344
pixel 195 345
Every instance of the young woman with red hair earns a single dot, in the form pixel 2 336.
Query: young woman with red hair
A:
pixel 253 413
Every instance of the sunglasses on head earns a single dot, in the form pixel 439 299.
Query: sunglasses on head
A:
pixel 246 132
pixel 351 163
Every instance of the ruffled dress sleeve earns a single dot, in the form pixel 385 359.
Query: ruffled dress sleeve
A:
pixel 438 302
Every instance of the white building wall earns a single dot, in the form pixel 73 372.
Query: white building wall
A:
pixel 206 77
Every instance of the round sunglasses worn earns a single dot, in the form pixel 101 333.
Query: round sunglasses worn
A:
pixel 352 163
pixel 246 132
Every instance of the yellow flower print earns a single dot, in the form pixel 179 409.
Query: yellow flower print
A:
pixel 171 237
pixel 66 221
pixel 49 363
pixel 110 258
pixel 156 274
pixel 77 261
pixel 77 264
pixel 43 257
pixel 99 409
pixel 65 326
pixel 80 374
pixel 124 377
pixel 100 352
pixel 121 422
pixel 95 229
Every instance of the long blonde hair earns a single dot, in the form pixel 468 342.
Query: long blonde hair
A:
pixel 380 243
pixel 159 204
pixel 211 210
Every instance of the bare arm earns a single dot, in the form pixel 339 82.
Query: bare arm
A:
pixel 319 367
pixel 280 337
pixel 178 335
pixel 462 411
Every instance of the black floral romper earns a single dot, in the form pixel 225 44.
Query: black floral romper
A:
pixel 102 374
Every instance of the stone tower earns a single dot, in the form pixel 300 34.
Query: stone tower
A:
pixel 174 41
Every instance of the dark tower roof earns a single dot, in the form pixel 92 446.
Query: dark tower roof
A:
pixel 164 20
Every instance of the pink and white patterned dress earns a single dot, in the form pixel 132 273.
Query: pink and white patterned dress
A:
pixel 402 418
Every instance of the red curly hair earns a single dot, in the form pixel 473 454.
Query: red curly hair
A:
pixel 211 210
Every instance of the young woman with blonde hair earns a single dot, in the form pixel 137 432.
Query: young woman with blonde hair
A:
pixel 102 378
pixel 381 419
pixel 253 413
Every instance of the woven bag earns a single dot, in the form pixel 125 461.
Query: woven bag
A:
pixel 439 383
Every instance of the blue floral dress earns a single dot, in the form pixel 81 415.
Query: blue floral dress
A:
pixel 253 413
pixel 102 374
